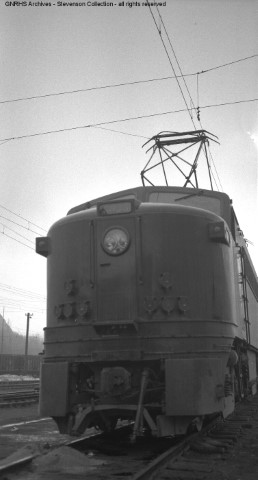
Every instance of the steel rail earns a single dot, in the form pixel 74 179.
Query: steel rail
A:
pixel 172 453
pixel 11 385
pixel 4 467
pixel 163 459
pixel 10 399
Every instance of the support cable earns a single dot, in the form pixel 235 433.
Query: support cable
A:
pixel 16 233
pixel 9 236
pixel 19 225
pixel 197 110
pixel 174 53
pixel 22 218
pixel 115 85
pixel 20 291
pixel 171 64
pixel 139 117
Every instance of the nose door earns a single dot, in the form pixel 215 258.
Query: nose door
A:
pixel 116 270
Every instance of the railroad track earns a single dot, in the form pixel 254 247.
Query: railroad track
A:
pixel 130 458
pixel 21 398
pixel 17 385
pixel 201 456
pixel 195 457
pixel 18 393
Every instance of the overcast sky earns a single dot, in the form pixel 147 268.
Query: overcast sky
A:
pixel 55 49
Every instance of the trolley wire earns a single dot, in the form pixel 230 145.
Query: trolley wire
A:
pixel 7 227
pixel 227 64
pixel 122 133
pixel 16 233
pixel 20 291
pixel 22 218
pixel 172 66
pixel 174 53
pixel 19 225
pixel 18 299
pixel 123 84
pixel 15 239
pixel 197 110
pixel 139 117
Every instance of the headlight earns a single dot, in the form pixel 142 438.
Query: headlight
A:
pixel 218 232
pixel 116 241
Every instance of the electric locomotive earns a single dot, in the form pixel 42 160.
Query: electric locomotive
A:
pixel 151 312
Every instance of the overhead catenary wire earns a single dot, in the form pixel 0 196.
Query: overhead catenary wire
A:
pixel 128 119
pixel 122 133
pixel 189 110
pixel 21 291
pixel 214 166
pixel 22 218
pixel 24 300
pixel 16 233
pixel 208 147
pixel 198 96
pixel 211 157
pixel 6 227
pixel 22 303
pixel 19 225
pixel 123 84
pixel 16 299
pixel 197 110
pixel 102 128
pixel 37 306
pixel 227 64
pixel 15 239
pixel 174 53
pixel 147 81
pixel 4 142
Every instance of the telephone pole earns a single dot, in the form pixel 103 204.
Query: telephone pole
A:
pixel 28 315
pixel 2 337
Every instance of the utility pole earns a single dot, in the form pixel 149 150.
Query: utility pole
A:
pixel 28 315
pixel 2 337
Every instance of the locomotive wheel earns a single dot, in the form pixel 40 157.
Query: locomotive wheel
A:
pixel 106 424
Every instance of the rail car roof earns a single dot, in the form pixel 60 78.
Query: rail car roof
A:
pixel 157 195
pixel 213 201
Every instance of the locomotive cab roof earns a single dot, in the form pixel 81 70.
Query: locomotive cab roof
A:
pixel 157 194
pixel 210 200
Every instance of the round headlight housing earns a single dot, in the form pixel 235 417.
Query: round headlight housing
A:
pixel 116 241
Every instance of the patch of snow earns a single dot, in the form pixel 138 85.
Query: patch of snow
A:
pixel 16 378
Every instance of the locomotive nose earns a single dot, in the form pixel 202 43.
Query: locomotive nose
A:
pixel 115 270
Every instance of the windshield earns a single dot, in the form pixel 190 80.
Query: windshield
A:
pixel 196 199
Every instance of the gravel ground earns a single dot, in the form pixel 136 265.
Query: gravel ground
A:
pixel 240 462
pixel 22 428
pixel 19 414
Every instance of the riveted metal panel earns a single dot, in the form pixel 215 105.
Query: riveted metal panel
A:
pixel 54 389
pixel 116 278
pixel 194 385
